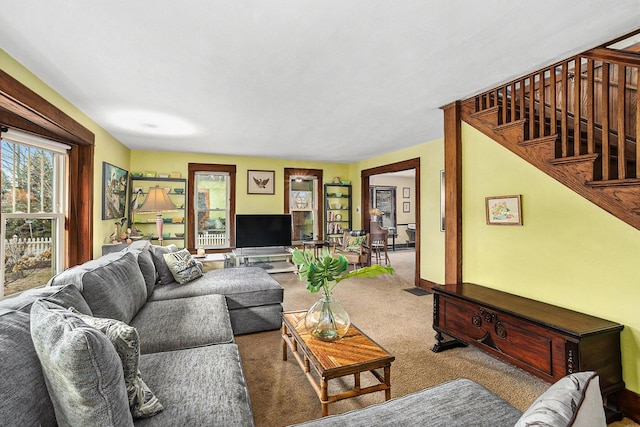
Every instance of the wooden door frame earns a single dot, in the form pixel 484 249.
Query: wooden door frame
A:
pixel 365 176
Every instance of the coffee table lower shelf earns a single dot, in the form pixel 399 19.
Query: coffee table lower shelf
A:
pixel 336 359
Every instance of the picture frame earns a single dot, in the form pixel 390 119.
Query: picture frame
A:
pixel 114 191
pixel 406 207
pixel 504 210
pixel 406 192
pixel 260 182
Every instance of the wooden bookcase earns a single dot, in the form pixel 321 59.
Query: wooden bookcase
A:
pixel 174 222
pixel 337 205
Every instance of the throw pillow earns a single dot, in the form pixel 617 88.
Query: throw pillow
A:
pixel 158 252
pixel 573 400
pixel 355 243
pixel 183 266
pixel 142 402
pixel 82 370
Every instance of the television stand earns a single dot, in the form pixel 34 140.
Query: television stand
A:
pixel 279 258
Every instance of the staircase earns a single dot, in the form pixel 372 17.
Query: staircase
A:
pixel 577 121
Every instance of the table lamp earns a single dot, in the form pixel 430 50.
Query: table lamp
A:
pixel 157 201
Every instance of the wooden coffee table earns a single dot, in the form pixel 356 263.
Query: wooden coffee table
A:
pixel 350 355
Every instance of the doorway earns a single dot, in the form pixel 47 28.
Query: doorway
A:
pixel 407 165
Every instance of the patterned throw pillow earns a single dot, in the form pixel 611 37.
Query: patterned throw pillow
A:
pixel 354 243
pixel 183 266
pixel 142 402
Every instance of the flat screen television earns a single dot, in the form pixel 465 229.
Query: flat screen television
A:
pixel 263 230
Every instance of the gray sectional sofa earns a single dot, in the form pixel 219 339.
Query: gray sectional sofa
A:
pixel 118 330
pixel 188 358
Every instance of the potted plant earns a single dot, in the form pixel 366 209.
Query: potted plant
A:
pixel 326 319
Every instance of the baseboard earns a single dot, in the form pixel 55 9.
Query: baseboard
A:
pixel 426 284
pixel 629 404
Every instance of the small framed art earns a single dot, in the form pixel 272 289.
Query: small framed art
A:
pixel 504 210
pixel 260 182
pixel 406 192
pixel 406 207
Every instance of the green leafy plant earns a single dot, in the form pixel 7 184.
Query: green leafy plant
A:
pixel 326 271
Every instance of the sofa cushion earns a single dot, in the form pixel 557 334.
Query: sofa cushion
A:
pixel 82 370
pixel 460 402
pixel 25 400
pixel 142 402
pixel 183 323
pixel 112 285
pixel 243 287
pixel 183 266
pixel 207 385
pixel 65 296
pixel 573 400
pixel 142 250
pixel 158 252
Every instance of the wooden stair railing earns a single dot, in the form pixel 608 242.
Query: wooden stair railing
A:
pixel 577 120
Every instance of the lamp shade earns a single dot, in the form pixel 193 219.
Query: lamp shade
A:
pixel 157 201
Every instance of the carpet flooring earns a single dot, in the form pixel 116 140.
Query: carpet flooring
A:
pixel 397 320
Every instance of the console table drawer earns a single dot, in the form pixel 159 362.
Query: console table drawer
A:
pixel 523 344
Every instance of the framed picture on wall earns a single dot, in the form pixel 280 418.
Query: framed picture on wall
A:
pixel 504 210
pixel 406 192
pixel 114 191
pixel 406 207
pixel 260 182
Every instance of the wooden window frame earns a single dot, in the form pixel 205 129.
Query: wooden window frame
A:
pixel 191 220
pixel 23 109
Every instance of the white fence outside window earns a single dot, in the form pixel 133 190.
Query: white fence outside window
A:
pixel 32 246
pixel 207 240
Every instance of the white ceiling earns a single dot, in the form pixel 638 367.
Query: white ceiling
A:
pixel 334 80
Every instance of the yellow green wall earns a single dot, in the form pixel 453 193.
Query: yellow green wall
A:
pixel 568 252
pixel 166 162
pixel 107 148
pixel 431 155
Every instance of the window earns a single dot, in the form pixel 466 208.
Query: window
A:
pixel 211 212
pixel 33 210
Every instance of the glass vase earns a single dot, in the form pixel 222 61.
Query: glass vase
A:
pixel 327 320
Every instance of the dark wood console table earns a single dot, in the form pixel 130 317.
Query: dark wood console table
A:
pixel 545 340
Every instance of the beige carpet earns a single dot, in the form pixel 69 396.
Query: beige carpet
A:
pixel 397 320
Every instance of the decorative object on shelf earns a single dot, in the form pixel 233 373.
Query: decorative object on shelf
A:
pixel 136 174
pixel 178 190
pixel 326 319
pixel 336 180
pixel 345 182
pixel 174 175
pixel 150 174
pixel 157 201
pixel 114 188
pixel 260 182
pixel 504 210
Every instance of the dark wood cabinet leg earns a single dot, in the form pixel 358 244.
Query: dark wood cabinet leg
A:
pixel 443 345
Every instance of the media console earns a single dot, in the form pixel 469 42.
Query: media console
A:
pixel 545 340
pixel 279 258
